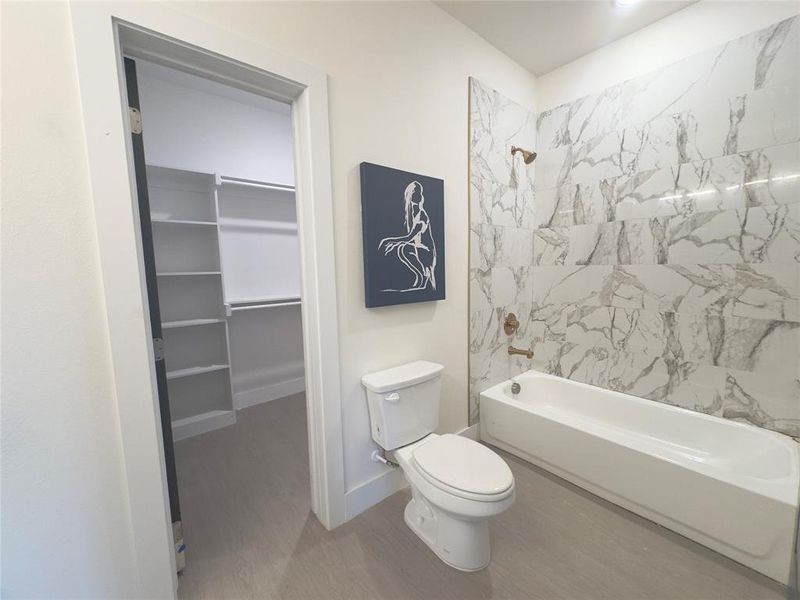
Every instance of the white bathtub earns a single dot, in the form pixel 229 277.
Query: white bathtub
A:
pixel 730 486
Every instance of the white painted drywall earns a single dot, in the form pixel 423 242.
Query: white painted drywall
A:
pixel 65 518
pixel 696 28
pixel 398 96
pixel 200 125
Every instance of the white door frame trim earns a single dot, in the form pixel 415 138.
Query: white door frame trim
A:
pixel 101 30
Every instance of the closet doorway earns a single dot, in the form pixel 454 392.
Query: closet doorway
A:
pixel 220 181
pixel 103 34
pixel 219 232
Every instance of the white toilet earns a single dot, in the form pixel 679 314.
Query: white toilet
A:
pixel 457 483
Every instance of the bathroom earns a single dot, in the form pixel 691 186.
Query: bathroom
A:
pixel 637 252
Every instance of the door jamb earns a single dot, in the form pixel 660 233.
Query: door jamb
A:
pixel 102 31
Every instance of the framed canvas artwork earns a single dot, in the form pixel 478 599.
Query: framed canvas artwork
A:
pixel 402 217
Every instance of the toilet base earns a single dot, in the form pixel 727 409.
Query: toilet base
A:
pixel 461 544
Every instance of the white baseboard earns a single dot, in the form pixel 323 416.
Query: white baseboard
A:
pixel 273 391
pixel 203 423
pixel 369 493
pixel 383 485
pixel 472 432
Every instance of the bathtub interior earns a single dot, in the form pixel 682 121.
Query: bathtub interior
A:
pixel 730 486
pixel 736 448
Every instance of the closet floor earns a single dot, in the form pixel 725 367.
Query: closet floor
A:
pixel 250 534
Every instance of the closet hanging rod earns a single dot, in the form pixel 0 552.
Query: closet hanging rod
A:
pixel 233 308
pixel 266 185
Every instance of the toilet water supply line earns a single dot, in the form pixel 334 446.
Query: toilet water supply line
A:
pixel 380 456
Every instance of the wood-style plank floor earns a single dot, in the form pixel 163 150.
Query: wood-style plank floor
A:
pixel 250 534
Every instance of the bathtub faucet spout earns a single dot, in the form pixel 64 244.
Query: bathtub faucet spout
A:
pixel 525 353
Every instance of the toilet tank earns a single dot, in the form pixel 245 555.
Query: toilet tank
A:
pixel 403 403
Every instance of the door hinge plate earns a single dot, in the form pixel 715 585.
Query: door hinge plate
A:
pixel 136 120
pixel 158 348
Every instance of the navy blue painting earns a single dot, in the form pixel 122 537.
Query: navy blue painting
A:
pixel 402 215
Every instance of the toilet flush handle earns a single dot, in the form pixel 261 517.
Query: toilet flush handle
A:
pixel 394 397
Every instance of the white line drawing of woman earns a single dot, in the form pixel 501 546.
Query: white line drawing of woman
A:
pixel 416 249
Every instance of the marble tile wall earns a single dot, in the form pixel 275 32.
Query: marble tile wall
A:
pixel 501 234
pixel 654 246
pixel 666 234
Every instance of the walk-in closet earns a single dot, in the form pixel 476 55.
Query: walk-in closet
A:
pixel 222 206
pixel 222 256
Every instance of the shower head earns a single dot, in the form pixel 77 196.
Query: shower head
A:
pixel 527 155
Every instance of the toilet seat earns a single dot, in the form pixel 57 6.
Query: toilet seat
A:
pixel 463 468
pixel 454 523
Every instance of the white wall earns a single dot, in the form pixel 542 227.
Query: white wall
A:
pixel 398 96
pixel 64 518
pixel 200 125
pixel 695 28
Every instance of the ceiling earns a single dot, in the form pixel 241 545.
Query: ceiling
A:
pixel 542 35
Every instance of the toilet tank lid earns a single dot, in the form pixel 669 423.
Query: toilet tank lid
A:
pixel 402 376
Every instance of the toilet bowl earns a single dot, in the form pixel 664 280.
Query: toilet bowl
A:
pixel 457 485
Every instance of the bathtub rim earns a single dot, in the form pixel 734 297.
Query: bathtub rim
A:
pixel 784 489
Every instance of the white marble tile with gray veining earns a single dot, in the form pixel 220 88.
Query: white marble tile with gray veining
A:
pixel 571 205
pixel 757 291
pixel 762 59
pixel 761 345
pixel 550 246
pixel 578 285
pixel 663 235
pixel 670 288
pixel 770 234
pixel 763 118
pixel 482 251
pixel 698 387
pixel 752 235
pixel 484 333
pixel 620 328
pixel 493 293
pixel 501 236
pixel 709 337
pixel 761 177
pixel 493 246
pixel 514 246
pixel 501 185
pixel 767 291
pixel 766 400
pixel 489 359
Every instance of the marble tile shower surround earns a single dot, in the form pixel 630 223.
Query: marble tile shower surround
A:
pixel 501 233
pixel 665 259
